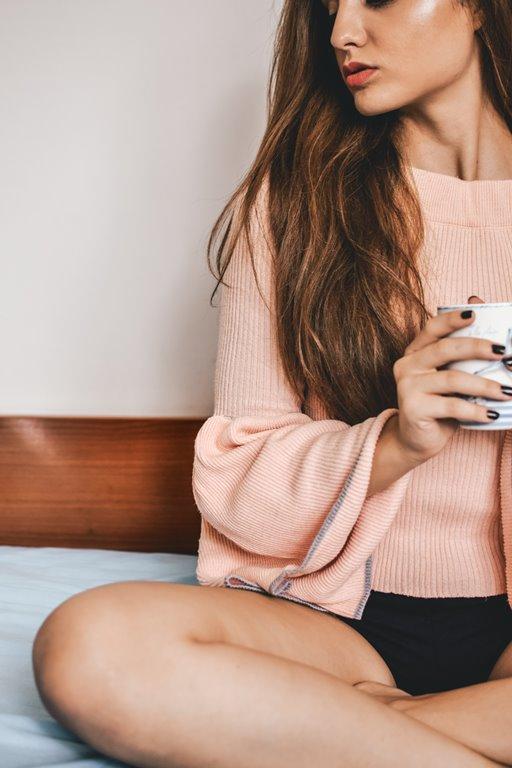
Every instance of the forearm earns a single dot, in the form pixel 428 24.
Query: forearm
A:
pixel 390 460
pixel 268 482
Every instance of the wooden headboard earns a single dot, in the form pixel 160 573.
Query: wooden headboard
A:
pixel 98 482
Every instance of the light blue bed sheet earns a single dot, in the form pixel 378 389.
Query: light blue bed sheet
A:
pixel 33 581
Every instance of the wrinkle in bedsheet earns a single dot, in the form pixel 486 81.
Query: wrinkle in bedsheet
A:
pixel 33 581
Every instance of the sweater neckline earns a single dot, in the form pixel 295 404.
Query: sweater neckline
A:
pixel 471 203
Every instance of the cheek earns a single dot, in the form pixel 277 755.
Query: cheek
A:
pixel 419 58
pixel 411 77
pixel 437 62
pixel 415 81
pixel 425 32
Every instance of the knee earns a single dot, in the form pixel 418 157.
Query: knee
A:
pixel 63 654
pixel 51 664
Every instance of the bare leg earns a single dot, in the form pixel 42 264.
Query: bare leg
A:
pixel 236 707
pixel 479 716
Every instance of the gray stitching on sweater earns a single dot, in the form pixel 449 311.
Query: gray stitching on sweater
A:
pixel 305 602
pixel 249 584
pixel 367 588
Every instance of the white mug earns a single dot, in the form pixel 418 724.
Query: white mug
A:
pixel 492 321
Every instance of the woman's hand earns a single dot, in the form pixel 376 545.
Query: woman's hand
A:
pixel 427 419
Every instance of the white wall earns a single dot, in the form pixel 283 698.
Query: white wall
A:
pixel 125 125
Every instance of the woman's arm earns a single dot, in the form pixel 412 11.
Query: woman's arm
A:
pixel 265 474
pixel 390 460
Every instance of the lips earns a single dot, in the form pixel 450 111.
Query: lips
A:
pixel 360 77
pixel 356 66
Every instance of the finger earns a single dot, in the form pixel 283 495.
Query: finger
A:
pixel 435 328
pixel 453 382
pixel 439 407
pixel 450 350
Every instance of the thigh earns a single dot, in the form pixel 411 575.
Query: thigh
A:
pixel 503 666
pixel 143 622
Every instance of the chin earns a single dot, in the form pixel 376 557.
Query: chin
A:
pixel 369 109
pixel 370 104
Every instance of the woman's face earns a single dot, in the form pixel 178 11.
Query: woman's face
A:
pixel 421 48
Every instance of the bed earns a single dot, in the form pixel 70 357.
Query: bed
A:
pixel 83 502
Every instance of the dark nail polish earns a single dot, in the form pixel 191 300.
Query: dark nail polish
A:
pixel 467 313
pixel 493 414
pixel 498 349
pixel 507 360
pixel 506 390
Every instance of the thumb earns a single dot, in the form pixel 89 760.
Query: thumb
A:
pixel 475 300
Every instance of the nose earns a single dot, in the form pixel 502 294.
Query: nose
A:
pixel 348 26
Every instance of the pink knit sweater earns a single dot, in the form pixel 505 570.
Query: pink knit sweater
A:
pixel 283 492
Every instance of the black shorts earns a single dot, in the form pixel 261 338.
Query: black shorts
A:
pixel 434 644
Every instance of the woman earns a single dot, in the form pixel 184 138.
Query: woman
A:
pixel 333 475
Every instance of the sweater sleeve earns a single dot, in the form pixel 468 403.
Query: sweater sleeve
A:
pixel 266 475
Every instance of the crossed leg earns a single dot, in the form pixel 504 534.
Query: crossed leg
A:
pixel 479 716
pixel 162 675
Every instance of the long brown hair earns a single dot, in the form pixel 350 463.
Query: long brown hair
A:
pixel 345 222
